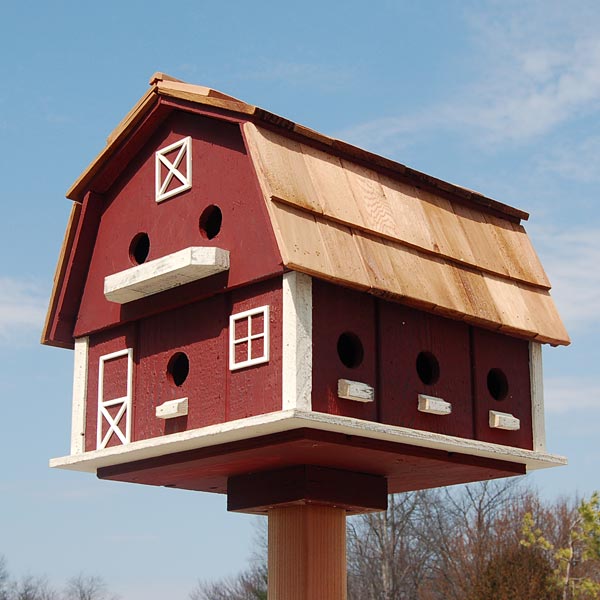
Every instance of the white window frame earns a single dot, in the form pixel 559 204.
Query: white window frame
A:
pixel 185 150
pixel 233 341
pixel 124 402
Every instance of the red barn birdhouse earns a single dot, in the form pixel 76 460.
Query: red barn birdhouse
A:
pixel 255 306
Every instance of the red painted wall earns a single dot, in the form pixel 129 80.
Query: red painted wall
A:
pixel 222 176
pixel 199 330
pixel 101 344
pixel 405 333
pixel 338 311
pixel 511 357
pixel 393 336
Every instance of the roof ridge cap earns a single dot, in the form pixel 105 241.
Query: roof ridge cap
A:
pixel 160 76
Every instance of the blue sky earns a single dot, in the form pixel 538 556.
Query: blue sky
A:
pixel 501 97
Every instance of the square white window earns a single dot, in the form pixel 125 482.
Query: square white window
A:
pixel 173 166
pixel 249 338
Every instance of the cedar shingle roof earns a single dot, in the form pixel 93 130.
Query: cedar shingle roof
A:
pixel 347 223
pixel 364 221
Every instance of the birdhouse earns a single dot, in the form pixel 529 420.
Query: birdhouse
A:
pixel 261 310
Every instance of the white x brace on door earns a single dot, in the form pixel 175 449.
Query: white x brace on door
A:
pixel 123 411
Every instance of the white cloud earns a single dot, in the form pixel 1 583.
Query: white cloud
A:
pixel 574 160
pixel 571 258
pixel 388 135
pixel 22 307
pixel 569 393
pixel 530 89
pixel 537 67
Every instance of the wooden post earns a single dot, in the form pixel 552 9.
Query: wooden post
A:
pixel 307 553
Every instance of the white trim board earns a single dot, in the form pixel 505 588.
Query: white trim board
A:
pixel 536 377
pixel 165 273
pixel 286 420
pixel 296 359
pixel 80 377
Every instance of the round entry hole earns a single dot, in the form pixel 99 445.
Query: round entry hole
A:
pixel 497 384
pixel 428 368
pixel 139 248
pixel 350 350
pixel 178 368
pixel 210 221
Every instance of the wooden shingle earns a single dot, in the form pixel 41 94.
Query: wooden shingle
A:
pixel 347 215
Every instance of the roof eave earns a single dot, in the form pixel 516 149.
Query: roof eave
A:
pixel 77 191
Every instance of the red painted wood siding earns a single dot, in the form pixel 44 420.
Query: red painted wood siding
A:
pixel 201 331
pixel 511 356
pixel 393 336
pixel 222 176
pixel 404 334
pixel 338 311
pixel 106 342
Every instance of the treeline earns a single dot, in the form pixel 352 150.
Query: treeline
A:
pixel 487 541
pixel 31 587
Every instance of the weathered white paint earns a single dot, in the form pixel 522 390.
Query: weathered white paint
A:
pixel 172 409
pixel 247 339
pixel 433 405
pixel 355 390
pixel 500 420
pixel 296 363
pixel 124 403
pixel 287 420
pixel 80 377
pixel 536 378
pixel 173 169
pixel 173 270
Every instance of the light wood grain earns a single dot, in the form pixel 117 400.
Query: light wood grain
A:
pixel 343 255
pixel 281 166
pixel 299 240
pixel 331 185
pixel 514 313
pixel 407 210
pixel 547 322
pixel 203 95
pixel 376 214
pixel 486 252
pixel 307 553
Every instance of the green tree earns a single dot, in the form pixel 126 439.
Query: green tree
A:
pixel 576 556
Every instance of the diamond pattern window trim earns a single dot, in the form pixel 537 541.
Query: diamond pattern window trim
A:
pixel 174 169
pixel 249 338
pixel 118 423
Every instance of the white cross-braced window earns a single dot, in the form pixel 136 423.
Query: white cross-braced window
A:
pixel 114 413
pixel 171 176
pixel 249 338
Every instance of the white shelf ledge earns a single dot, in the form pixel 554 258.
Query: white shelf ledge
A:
pixel 433 405
pixel 172 409
pixel 165 273
pixel 287 420
pixel 500 420
pixel 355 390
